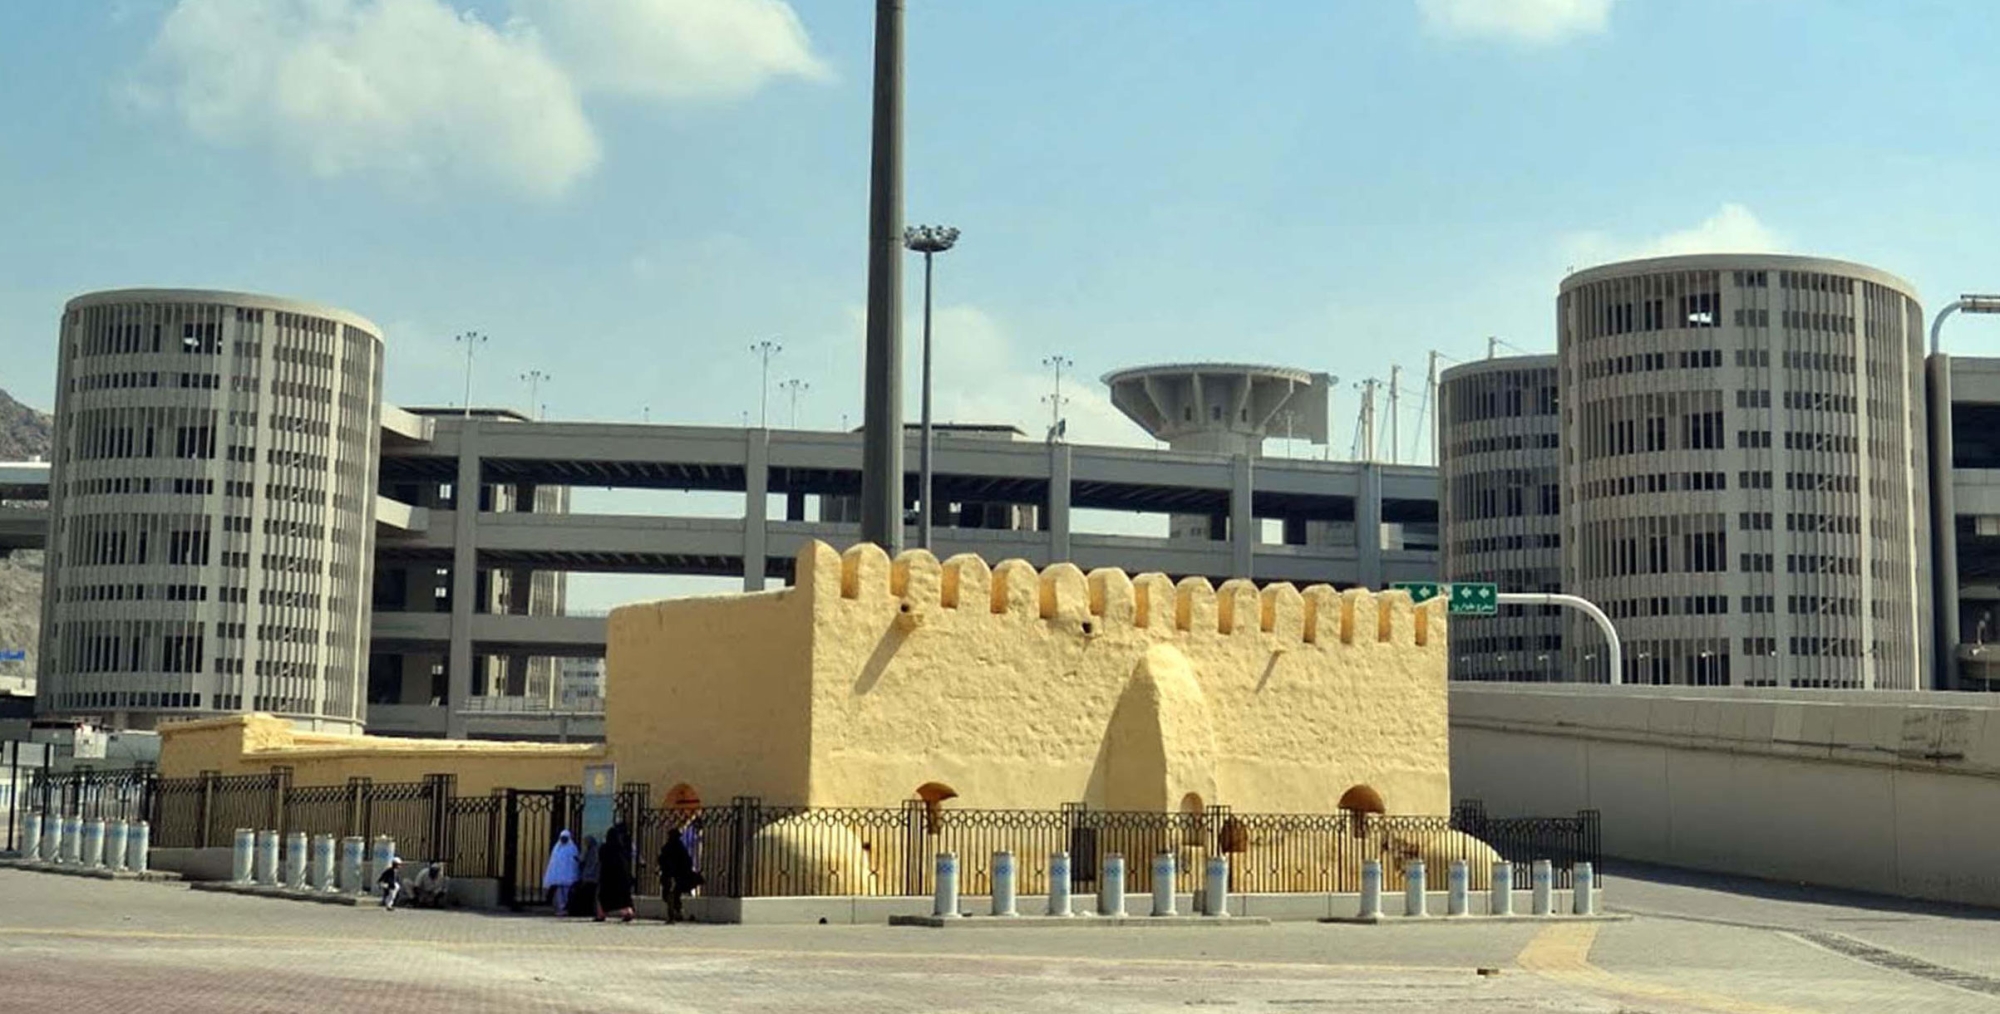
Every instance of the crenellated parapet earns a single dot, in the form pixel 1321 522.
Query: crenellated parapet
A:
pixel 1107 600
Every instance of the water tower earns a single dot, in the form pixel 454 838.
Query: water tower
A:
pixel 1221 408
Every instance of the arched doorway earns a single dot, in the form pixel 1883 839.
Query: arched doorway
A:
pixel 1358 803
pixel 934 794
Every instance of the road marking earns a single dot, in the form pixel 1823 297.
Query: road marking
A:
pixel 1562 953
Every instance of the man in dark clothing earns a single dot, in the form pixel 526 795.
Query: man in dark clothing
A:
pixel 614 875
pixel 677 874
pixel 391 883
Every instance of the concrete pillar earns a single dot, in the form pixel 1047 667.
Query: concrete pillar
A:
pixel 320 876
pixel 1215 897
pixel 138 846
pixel 265 872
pixel 1163 883
pixel 92 852
pixel 1368 527
pixel 352 848
pixel 1057 521
pixel 295 860
pixel 115 834
pixel 1545 881
pixel 1414 889
pixel 756 494
pixel 1459 882
pixel 1371 889
pixel 1242 527
pixel 464 578
pixel 945 905
pixel 1111 887
pixel 1502 902
pixel 1059 884
pixel 1003 884
pixel 31 836
pixel 242 855
pixel 1583 884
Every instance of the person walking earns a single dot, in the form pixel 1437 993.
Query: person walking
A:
pixel 391 883
pixel 583 896
pixel 614 878
pixel 561 874
pixel 677 873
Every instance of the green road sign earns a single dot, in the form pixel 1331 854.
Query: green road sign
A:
pixel 1479 599
pixel 1420 591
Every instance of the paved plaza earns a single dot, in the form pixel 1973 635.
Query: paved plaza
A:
pixel 1694 944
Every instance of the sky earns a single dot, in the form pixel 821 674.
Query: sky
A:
pixel 625 195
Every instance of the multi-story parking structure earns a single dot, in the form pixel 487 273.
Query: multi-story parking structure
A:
pixel 211 508
pixel 1499 495
pixel 1744 469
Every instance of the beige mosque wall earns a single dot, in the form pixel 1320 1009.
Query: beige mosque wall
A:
pixel 1013 688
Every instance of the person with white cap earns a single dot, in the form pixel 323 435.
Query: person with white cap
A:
pixel 391 882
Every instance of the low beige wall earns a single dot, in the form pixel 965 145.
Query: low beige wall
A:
pixel 1891 792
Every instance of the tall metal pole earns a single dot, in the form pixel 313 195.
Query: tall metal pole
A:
pixel 882 410
pixel 765 350
pixel 1056 400
pixel 924 447
pixel 534 379
pixel 1395 380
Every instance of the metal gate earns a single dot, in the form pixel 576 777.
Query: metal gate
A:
pixel 527 835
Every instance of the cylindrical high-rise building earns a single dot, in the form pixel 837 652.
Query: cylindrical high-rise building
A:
pixel 1500 470
pixel 212 506
pixel 1744 469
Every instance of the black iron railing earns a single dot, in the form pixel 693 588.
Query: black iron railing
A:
pixel 750 849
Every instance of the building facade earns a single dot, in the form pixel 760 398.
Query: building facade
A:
pixel 1499 498
pixel 211 509
pixel 1745 469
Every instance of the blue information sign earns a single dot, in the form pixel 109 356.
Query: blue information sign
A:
pixel 13 654
pixel 600 794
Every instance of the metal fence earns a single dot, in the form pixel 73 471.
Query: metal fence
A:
pixel 749 849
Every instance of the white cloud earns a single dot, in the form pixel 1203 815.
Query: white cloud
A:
pixel 676 49
pixel 1731 229
pixel 420 93
pixel 1530 21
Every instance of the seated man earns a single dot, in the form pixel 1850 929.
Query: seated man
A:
pixel 429 889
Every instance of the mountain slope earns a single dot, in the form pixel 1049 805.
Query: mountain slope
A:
pixel 24 435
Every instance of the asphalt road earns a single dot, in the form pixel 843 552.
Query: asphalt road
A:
pixel 1696 944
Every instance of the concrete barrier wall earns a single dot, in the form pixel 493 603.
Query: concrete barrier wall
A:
pixel 1891 792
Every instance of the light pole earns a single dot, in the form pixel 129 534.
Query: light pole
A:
pixel 534 380
pixel 471 340
pixel 1944 506
pixel 928 240
pixel 1058 363
pixel 795 387
pixel 765 350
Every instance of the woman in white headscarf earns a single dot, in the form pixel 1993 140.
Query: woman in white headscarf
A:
pixel 562 872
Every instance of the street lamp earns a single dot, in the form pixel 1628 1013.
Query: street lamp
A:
pixel 928 240
pixel 796 387
pixel 1944 508
pixel 534 378
pixel 765 350
pixel 471 340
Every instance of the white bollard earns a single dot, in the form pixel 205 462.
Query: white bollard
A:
pixel 52 838
pixel 1059 884
pixel 352 848
pixel 1111 887
pixel 242 856
pixel 1164 868
pixel 31 836
pixel 1503 889
pixel 1414 888
pixel 265 869
pixel 1215 899
pixel 1583 881
pixel 72 840
pixel 92 855
pixel 1544 887
pixel 1371 889
pixel 321 873
pixel 945 906
pixel 115 834
pixel 295 860
pixel 1003 884
pixel 138 846
pixel 1459 882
